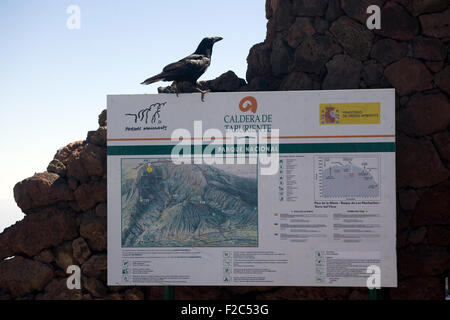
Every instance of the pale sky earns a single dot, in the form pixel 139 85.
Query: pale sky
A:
pixel 54 81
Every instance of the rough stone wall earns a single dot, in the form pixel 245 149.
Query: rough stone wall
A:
pixel 321 44
pixel 310 44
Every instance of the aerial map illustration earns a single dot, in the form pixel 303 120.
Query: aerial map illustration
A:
pixel 348 177
pixel 188 205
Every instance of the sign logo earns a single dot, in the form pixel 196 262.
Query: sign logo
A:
pixel 350 113
pixel 150 113
pixel 248 103
pixel 330 115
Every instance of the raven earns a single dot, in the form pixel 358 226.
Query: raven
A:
pixel 190 68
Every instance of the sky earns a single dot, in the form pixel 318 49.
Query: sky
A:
pixel 54 80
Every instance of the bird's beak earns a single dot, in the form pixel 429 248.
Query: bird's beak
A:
pixel 216 39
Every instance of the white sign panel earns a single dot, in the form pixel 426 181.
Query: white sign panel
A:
pixel 252 188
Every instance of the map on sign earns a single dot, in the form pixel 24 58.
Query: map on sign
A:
pixel 188 205
pixel 347 177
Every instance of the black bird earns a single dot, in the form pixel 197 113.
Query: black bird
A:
pixel 190 68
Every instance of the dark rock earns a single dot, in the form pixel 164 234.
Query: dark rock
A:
pixel 439 235
pixel 333 11
pixel 258 62
pixel 403 220
pixel 101 209
pixel 20 276
pixel 423 261
pixel 296 81
pixel 89 194
pixel 93 229
pixel 433 207
pixel 428 48
pixel 321 25
pixel 417 7
pixel 56 166
pixel 434 66
pixel 72 183
pixel 310 8
pixel 299 31
pixel 408 199
pixel 442 80
pixel 282 15
pixel 442 142
pixel 80 249
pixel 95 287
pixel 357 9
pixel 417 236
pixel 372 73
pixel 270 34
pixel 83 160
pixel 281 56
pixel 97 137
pixel 170 89
pixel 418 164
pixel 45 256
pixel 114 296
pixel 355 38
pixel 424 114
pixel 358 294
pixel 436 24
pixel 312 54
pixel 39 231
pixel 134 294
pixel 42 189
pixel 397 23
pixel 57 290
pixel 102 118
pixel 262 84
pixel 387 51
pixel 409 76
pixel 95 266
pixel 402 239
pixel 343 73
pixel 64 255
pixel 421 288
pixel 269 10
pixel 226 82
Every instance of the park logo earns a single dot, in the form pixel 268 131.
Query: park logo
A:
pixel 148 114
pixel 248 103
pixel 147 118
pixel 248 119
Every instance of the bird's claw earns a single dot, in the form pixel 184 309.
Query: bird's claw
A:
pixel 203 92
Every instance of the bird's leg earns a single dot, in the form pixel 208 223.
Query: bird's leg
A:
pixel 176 87
pixel 203 92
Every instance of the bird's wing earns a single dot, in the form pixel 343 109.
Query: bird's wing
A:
pixel 192 63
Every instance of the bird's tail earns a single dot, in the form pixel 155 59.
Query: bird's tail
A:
pixel 156 78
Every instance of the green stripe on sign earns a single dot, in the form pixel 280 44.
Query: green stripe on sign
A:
pixel 138 150
pixel 284 148
pixel 337 147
